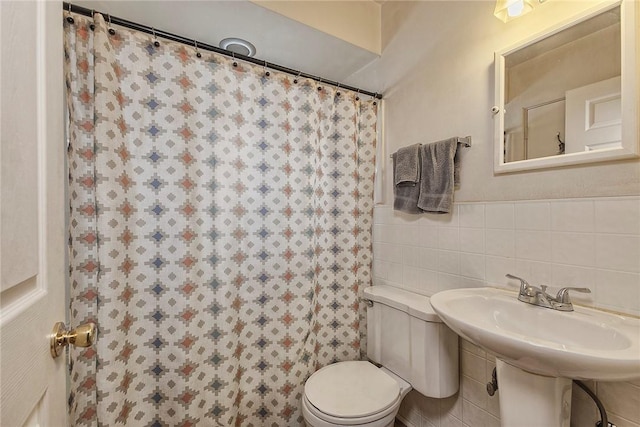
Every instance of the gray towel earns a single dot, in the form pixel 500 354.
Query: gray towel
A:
pixel 405 194
pixel 406 170
pixel 440 174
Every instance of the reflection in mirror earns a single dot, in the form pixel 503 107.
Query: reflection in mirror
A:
pixel 562 93
pixel 570 94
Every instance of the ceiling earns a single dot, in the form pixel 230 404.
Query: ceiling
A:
pixel 278 39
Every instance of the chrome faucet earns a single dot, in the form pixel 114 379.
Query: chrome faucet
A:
pixel 539 296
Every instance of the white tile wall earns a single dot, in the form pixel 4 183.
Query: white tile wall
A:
pixel 577 242
pixel 592 243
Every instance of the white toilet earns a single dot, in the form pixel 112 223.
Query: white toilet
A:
pixel 416 350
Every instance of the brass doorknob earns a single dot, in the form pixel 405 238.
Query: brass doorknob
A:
pixel 82 336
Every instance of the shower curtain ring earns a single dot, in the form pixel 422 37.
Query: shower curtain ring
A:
pixel 156 43
pixel 358 95
pixel 198 54
pixel 295 81
pixel 233 55
pixel 92 26
pixel 264 69
pixel 375 96
pixel 70 19
pixel 320 83
pixel 111 30
pixel 338 89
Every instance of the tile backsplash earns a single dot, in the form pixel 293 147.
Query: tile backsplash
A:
pixel 593 243
pixel 590 242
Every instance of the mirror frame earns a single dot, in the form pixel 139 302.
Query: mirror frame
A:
pixel 630 46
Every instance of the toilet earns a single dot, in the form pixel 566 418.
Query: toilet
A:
pixel 414 349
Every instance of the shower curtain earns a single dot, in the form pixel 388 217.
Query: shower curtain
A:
pixel 220 231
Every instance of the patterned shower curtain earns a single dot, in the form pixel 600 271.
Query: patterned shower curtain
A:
pixel 220 231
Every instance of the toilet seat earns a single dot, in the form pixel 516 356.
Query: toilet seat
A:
pixel 353 393
pixel 319 418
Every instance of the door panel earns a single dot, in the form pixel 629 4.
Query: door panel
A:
pixel 32 207
pixel 594 116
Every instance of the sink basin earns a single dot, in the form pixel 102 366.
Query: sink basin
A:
pixel 583 344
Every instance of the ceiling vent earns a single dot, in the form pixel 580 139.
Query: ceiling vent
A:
pixel 239 46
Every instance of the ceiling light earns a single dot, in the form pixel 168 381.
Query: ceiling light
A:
pixel 509 9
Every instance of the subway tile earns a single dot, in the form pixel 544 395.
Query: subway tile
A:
pixel 451 407
pixel 573 248
pixel 427 236
pixel 472 348
pixel 410 235
pixel 533 216
pixel 617 216
pixel 449 262
pixel 397 234
pixel 428 282
pixel 471 215
pixel 450 281
pixel 411 256
pixel 402 218
pixel 379 214
pixel 427 258
pixel 618 252
pixel 442 220
pixel 475 416
pixel 410 277
pixel 533 245
pixel 621 398
pixel 430 409
pixel 499 215
pixel 466 282
pixel 579 277
pixel 395 273
pixel 496 268
pixel 473 366
pixel 472 266
pixel 474 392
pixel 450 421
pixel 472 240
pixel 536 273
pixel 618 290
pixel 448 238
pixel 388 252
pixel 500 243
pixel 380 269
pixel 572 215
pixel 410 410
pixel 377 232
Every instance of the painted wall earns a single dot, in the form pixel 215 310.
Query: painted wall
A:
pixel 437 75
pixel 556 226
pixel 357 22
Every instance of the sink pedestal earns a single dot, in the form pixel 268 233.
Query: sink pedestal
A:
pixel 528 400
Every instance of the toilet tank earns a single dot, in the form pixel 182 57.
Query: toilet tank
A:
pixel 407 337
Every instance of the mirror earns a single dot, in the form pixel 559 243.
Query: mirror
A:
pixel 569 95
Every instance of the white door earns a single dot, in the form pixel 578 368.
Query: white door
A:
pixel 32 206
pixel 594 116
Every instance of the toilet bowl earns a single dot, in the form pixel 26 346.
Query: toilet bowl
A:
pixel 353 394
pixel 415 350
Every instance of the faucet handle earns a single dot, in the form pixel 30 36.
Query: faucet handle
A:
pixel 563 294
pixel 524 285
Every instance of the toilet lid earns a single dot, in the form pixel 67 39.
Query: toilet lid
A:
pixel 351 389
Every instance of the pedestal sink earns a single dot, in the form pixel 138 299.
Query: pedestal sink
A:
pixel 540 350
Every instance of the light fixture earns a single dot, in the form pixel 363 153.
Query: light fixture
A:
pixel 236 45
pixel 506 10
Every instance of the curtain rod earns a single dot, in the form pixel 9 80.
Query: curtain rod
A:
pixel 68 7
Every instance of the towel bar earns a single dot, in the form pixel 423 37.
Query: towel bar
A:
pixel 466 140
